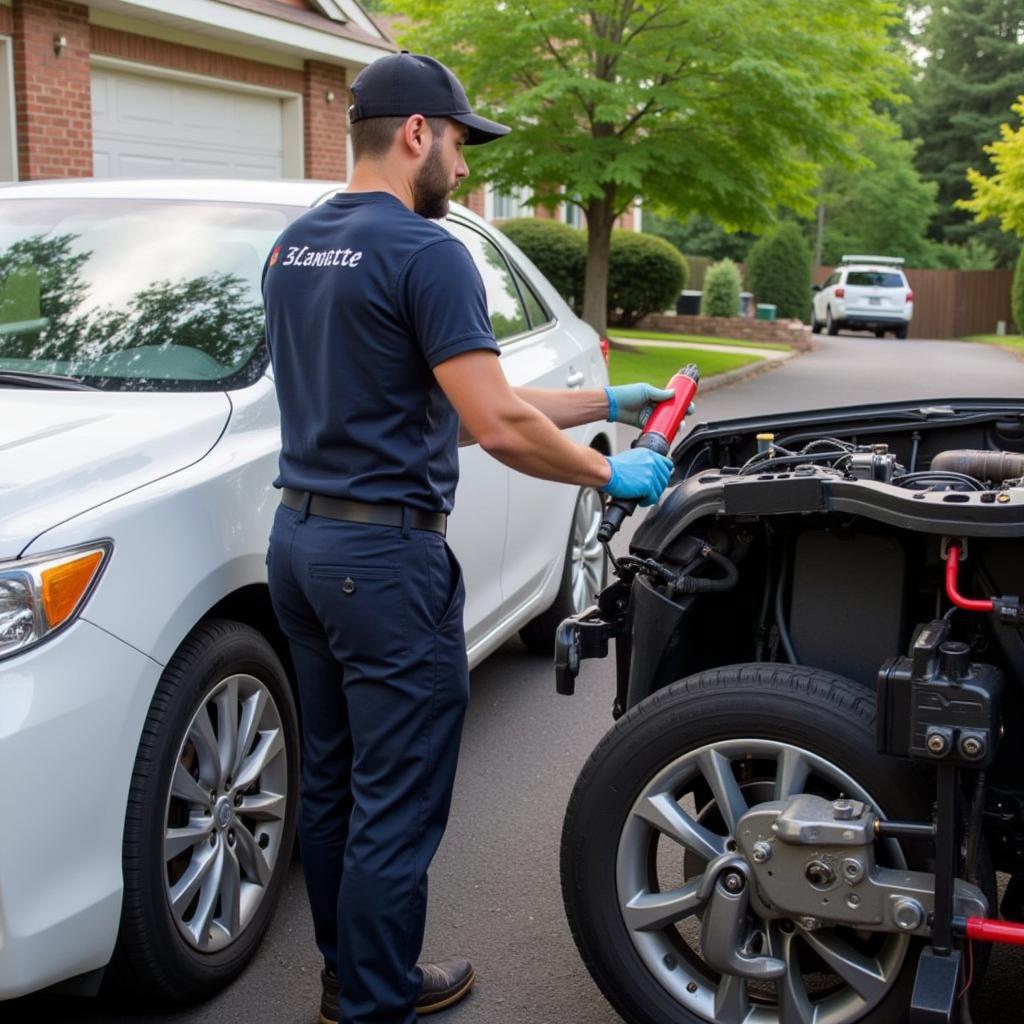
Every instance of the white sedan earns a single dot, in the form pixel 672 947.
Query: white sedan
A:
pixel 148 728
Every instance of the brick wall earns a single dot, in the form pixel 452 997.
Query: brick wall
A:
pixel 111 42
pixel 325 112
pixel 53 99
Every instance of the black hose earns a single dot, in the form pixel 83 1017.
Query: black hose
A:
pixel 974 829
pixel 761 639
pixel 780 617
pixel 703 584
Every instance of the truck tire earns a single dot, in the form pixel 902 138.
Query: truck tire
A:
pixel 787 729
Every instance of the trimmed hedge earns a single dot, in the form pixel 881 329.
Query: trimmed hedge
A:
pixel 721 295
pixel 645 275
pixel 779 271
pixel 1017 294
pixel 559 251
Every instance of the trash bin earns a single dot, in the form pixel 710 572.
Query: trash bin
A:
pixel 688 303
pixel 745 300
pixel 766 311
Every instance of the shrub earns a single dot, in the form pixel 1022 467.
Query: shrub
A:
pixel 1017 294
pixel 721 290
pixel 645 275
pixel 559 251
pixel 779 271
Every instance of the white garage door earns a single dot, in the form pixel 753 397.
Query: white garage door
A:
pixel 154 127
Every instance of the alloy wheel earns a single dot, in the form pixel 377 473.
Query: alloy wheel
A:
pixel 588 555
pixel 225 814
pixel 684 819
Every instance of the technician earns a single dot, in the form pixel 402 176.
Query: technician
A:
pixel 381 345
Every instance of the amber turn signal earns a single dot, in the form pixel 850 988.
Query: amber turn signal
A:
pixel 65 585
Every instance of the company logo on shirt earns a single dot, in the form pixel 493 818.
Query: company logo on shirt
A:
pixel 303 256
pixel 275 255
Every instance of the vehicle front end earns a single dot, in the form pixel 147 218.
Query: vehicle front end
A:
pixel 818 654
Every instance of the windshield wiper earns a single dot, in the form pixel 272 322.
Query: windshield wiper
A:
pixel 29 379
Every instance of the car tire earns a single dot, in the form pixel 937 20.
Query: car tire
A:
pixel 815 323
pixel 584 573
pixel 901 332
pixel 216 782
pixel 830 325
pixel 762 717
pixel 879 333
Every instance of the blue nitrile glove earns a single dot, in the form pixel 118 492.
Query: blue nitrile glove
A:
pixel 634 403
pixel 638 473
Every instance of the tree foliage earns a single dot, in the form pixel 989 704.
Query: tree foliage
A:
pixel 698 235
pixel 645 275
pixel 559 251
pixel 973 74
pixel 721 296
pixel 727 109
pixel 881 206
pixel 1002 195
pixel 779 271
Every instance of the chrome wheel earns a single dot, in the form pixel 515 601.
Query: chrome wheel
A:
pixel 587 553
pixel 225 813
pixel 683 819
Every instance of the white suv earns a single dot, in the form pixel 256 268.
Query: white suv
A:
pixel 148 729
pixel 865 293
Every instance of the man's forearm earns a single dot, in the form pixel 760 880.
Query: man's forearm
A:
pixel 567 408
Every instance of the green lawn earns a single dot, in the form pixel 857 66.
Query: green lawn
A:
pixel 657 365
pixel 1012 341
pixel 626 334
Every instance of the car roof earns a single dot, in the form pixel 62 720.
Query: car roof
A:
pixel 884 269
pixel 294 192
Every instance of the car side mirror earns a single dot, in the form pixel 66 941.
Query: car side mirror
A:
pixel 815 287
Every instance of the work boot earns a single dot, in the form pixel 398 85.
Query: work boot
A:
pixel 328 997
pixel 443 985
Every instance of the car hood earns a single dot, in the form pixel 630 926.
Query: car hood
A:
pixel 64 452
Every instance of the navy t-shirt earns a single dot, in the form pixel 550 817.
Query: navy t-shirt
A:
pixel 363 298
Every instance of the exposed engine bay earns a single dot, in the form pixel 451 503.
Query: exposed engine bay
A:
pixel 820 676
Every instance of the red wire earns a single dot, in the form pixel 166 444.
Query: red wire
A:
pixel 952 570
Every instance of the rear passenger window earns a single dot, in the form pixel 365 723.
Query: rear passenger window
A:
pixel 504 306
pixel 537 312
pixel 875 279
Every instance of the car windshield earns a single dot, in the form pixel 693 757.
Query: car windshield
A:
pixel 875 278
pixel 135 294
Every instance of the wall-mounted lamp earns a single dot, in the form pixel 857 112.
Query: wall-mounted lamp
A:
pixel 59 43
pixel 329 96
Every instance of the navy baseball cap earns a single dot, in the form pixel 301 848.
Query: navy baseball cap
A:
pixel 405 83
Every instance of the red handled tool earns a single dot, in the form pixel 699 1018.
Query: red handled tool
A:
pixel 658 432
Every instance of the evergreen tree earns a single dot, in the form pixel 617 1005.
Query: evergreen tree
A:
pixel 974 72
pixel 779 271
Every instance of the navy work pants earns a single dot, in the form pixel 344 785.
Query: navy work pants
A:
pixel 373 616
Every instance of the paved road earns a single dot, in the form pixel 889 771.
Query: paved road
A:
pixel 494 886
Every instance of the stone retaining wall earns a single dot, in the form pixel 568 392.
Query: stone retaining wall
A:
pixel 742 328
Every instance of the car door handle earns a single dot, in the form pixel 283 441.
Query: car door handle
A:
pixel 575 380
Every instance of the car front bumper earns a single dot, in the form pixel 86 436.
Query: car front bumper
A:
pixel 70 713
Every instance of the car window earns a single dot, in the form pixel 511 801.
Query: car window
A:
pixel 536 310
pixel 135 294
pixel 832 279
pixel 875 278
pixel 504 306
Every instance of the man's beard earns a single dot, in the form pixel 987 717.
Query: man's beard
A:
pixel 432 188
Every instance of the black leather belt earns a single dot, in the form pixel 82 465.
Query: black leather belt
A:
pixel 363 512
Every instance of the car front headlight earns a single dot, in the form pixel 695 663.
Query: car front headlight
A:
pixel 41 595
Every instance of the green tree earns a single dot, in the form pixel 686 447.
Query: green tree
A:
pixel 699 236
pixel 882 206
pixel 727 108
pixel 559 251
pixel 974 73
pixel 721 296
pixel 1002 195
pixel 779 271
